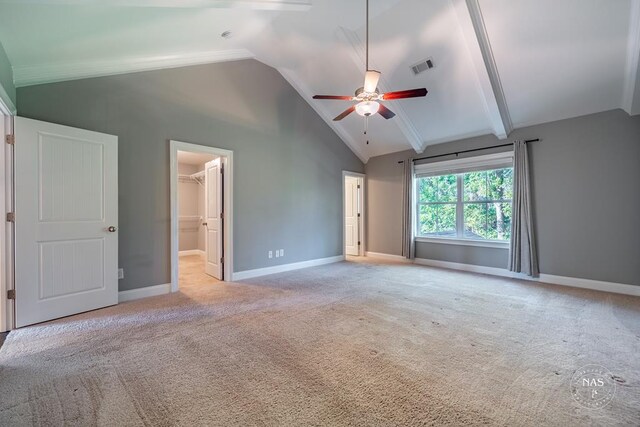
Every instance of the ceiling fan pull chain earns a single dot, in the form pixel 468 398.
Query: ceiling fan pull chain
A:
pixel 366 126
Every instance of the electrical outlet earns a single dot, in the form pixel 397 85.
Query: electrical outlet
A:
pixel 120 273
pixel 270 254
pixel 281 252
pixel 277 253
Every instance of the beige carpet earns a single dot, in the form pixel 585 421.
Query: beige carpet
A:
pixel 345 344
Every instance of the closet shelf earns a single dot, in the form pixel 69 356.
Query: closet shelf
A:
pixel 197 177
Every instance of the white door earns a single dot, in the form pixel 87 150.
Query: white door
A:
pixel 351 212
pixel 66 218
pixel 213 212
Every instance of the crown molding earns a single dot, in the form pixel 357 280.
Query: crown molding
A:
pixel 7 106
pixel 357 52
pixel 488 81
pixel 631 90
pixel 304 91
pixel 49 73
pixel 276 5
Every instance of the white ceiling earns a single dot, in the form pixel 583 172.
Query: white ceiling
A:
pixel 190 158
pixel 500 64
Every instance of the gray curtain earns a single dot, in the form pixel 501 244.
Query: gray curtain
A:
pixel 408 223
pixel 522 249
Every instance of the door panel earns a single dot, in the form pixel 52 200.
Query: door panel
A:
pixel 71 179
pixel 213 203
pixel 70 267
pixel 351 229
pixel 66 199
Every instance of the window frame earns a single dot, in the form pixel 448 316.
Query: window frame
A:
pixel 459 167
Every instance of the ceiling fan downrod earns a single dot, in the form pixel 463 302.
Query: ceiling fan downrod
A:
pixel 367 37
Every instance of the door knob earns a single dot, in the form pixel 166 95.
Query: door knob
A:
pixel 204 223
pixel 112 229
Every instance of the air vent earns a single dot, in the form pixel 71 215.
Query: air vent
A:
pixel 422 66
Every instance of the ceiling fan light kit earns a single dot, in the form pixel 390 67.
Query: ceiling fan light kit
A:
pixel 368 96
pixel 367 108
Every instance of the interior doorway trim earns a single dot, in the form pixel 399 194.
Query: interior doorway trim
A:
pixel 174 147
pixel 363 221
pixel 6 231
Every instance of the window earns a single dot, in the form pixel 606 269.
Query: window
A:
pixel 465 204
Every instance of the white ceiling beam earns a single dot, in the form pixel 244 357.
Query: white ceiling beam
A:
pixel 401 119
pixel 475 33
pixel 631 91
pixel 296 82
pixel 275 5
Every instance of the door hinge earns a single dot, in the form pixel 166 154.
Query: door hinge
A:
pixel 358 214
pixel 358 243
pixel 10 139
pixel 221 215
pixel 222 260
pixel 11 217
pixel 11 294
pixel 358 185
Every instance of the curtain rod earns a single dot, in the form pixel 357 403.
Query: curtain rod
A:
pixel 470 151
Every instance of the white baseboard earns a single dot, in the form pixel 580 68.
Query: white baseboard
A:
pixel 575 282
pixel 147 291
pixel 191 252
pixel 468 267
pixel 248 274
pixel 597 285
pixel 387 257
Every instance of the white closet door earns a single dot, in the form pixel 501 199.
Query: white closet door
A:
pixel 66 206
pixel 351 228
pixel 213 207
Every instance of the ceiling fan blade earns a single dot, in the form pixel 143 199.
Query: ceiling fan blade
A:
pixel 385 112
pixel 345 113
pixel 371 78
pixel 411 93
pixel 339 97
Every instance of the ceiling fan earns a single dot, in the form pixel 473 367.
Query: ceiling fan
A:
pixel 368 97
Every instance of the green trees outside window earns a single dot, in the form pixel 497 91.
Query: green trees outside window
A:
pixel 470 205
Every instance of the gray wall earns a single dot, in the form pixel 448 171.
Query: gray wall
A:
pixel 586 198
pixel 7 89
pixel 288 162
pixel 384 203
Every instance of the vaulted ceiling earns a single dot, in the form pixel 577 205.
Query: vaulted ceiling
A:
pixel 499 64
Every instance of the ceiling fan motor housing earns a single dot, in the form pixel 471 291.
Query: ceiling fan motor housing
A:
pixel 364 96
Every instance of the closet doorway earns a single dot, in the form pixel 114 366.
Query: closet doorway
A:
pixel 353 213
pixel 201 219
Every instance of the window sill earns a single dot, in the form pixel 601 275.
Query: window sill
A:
pixel 464 242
